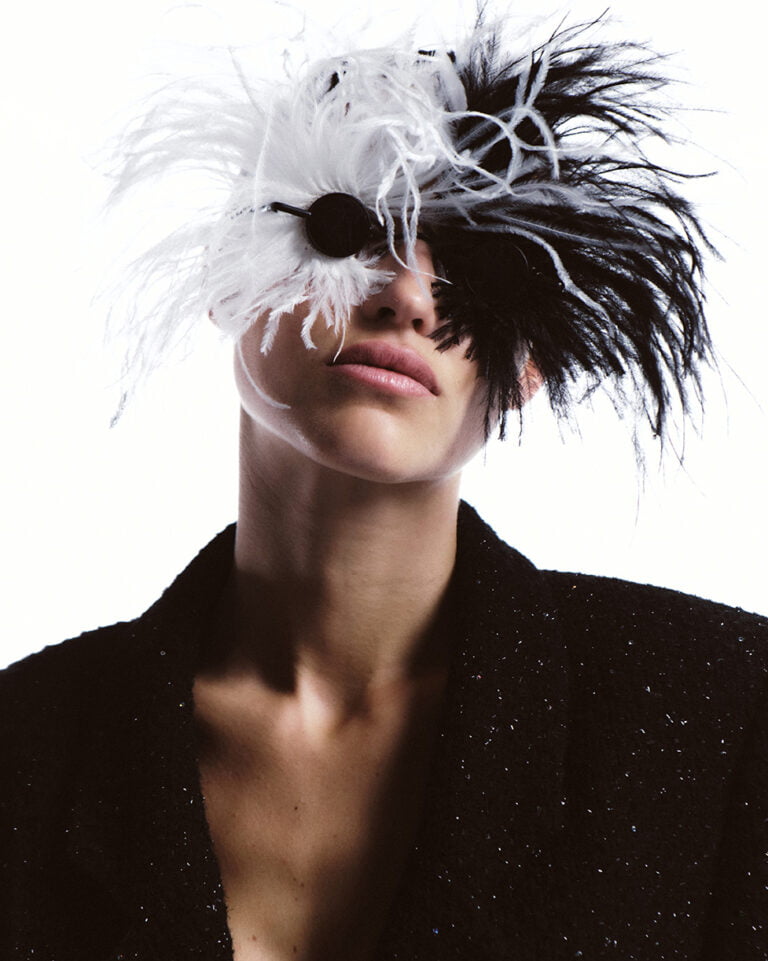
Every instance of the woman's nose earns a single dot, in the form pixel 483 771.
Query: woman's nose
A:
pixel 407 299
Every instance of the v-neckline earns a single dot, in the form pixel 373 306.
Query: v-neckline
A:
pixel 492 799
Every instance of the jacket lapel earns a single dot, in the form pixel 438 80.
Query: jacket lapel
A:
pixel 138 823
pixel 480 879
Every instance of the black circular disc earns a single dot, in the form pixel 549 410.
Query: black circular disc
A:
pixel 339 225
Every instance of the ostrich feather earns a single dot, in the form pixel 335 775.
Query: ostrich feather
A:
pixel 556 237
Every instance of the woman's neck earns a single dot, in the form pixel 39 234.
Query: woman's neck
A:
pixel 338 582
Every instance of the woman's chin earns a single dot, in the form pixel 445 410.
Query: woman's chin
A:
pixel 384 455
pixel 368 446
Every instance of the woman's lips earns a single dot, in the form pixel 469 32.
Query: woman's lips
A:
pixel 395 370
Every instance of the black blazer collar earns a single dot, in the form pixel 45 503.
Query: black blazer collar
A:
pixel 138 823
pixel 481 871
pixel 493 800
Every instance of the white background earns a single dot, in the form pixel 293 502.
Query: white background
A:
pixel 96 522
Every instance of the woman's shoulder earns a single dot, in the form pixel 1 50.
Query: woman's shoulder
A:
pixel 623 609
pixel 602 599
pixel 57 666
pixel 613 630
pixel 55 674
pixel 48 695
pixel 649 651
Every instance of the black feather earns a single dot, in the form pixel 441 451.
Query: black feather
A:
pixel 629 314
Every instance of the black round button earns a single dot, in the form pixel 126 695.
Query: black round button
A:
pixel 338 225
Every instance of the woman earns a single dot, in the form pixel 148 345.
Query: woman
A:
pixel 359 725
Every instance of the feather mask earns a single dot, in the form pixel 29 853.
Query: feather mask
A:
pixel 556 239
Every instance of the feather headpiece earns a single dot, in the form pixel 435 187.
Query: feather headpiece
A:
pixel 555 237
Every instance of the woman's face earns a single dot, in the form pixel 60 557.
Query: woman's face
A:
pixel 389 408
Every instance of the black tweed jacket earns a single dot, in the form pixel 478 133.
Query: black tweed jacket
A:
pixel 599 789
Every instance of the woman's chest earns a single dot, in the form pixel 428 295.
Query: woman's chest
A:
pixel 311 844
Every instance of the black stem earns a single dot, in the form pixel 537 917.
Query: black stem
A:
pixel 288 209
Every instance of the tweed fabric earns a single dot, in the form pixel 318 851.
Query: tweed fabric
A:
pixel 598 789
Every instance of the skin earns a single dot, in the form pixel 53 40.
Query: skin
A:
pixel 318 706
